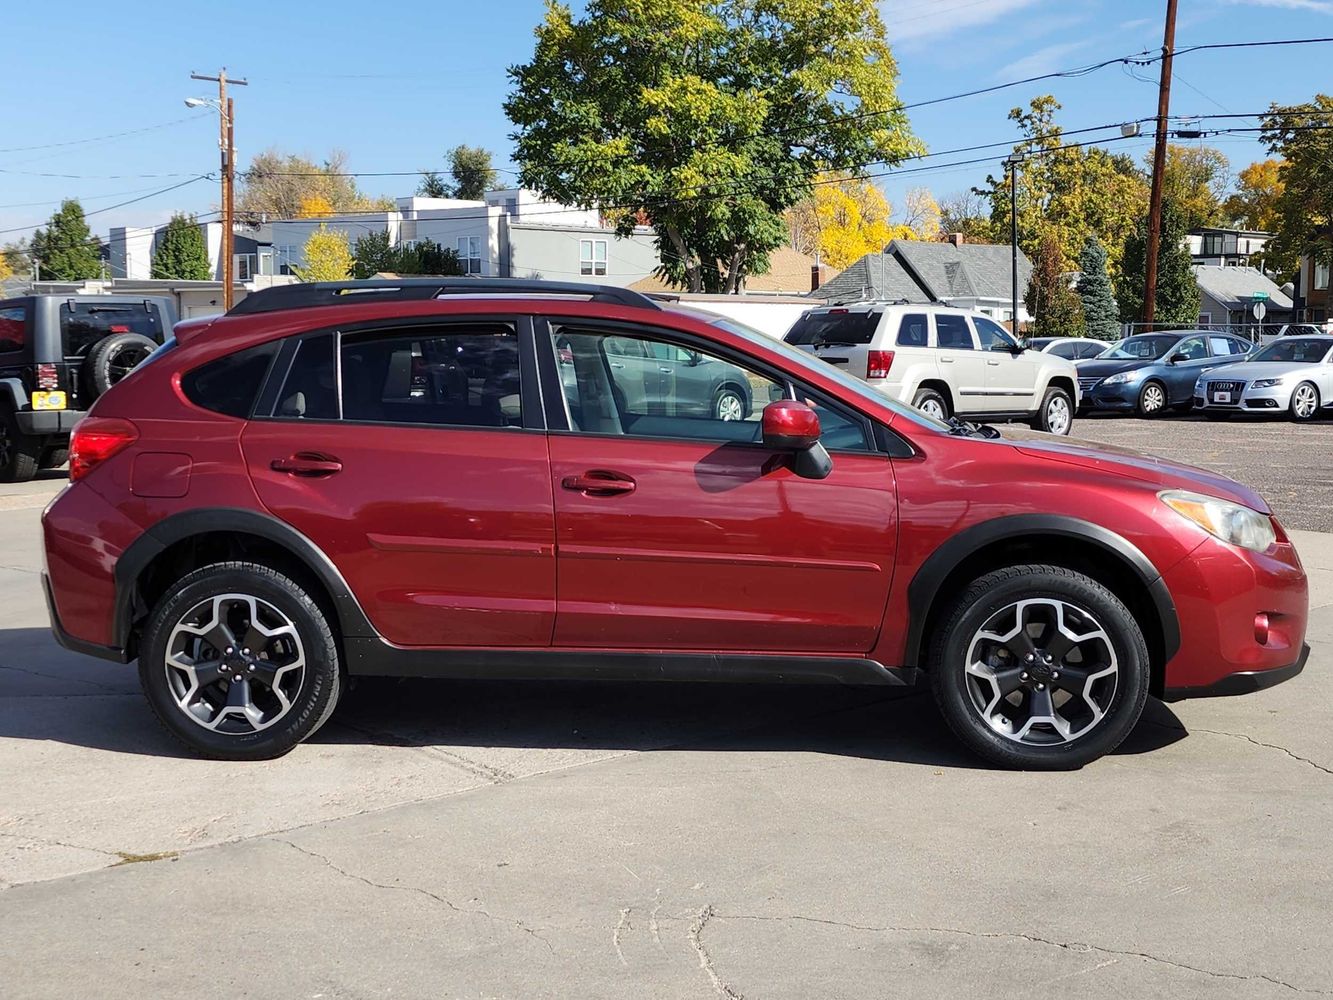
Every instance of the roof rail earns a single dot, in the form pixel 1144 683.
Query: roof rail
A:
pixel 341 293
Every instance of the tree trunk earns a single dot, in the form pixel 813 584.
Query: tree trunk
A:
pixel 693 272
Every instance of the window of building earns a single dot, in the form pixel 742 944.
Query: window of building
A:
pixel 592 256
pixel 465 376
pixel 13 329
pixel 469 254
pixel 1321 277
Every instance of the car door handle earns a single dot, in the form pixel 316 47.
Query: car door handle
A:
pixel 995 364
pixel 946 361
pixel 307 464
pixel 665 371
pixel 616 364
pixel 599 483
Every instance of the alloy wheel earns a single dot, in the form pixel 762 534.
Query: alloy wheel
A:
pixel 1153 398
pixel 124 361
pixel 1304 400
pixel 1042 672
pixel 730 407
pixel 234 664
pixel 933 408
pixel 1057 415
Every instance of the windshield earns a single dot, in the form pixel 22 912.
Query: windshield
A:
pixel 1301 351
pixel 805 360
pixel 837 326
pixel 1146 347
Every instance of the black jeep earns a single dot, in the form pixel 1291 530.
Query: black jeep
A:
pixel 58 353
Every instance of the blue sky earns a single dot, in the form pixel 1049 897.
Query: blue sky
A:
pixel 396 90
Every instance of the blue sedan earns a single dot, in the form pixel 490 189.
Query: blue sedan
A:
pixel 1150 372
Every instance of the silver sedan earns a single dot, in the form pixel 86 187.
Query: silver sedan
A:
pixel 1292 375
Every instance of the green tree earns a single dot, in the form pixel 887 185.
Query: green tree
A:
pixel 1100 312
pixel 1177 292
pixel 1258 191
pixel 1303 137
pixel 327 256
pixel 1054 306
pixel 66 250
pixel 968 213
pixel 433 185
pixel 470 167
pixel 375 254
pixel 182 254
pixel 708 118
pixel 1195 181
pixel 286 186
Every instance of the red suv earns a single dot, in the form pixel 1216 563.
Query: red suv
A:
pixel 467 478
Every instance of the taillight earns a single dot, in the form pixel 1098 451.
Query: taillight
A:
pixel 47 377
pixel 878 364
pixel 94 440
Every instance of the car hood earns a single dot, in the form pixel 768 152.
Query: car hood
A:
pixel 1249 370
pixel 1157 472
pixel 1100 369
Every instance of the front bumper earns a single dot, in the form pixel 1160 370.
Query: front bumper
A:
pixel 1273 399
pixel 1121 396
pixel 1245 682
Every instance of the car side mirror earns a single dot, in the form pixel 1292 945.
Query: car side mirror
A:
pixel 791 426
pixel 1178 356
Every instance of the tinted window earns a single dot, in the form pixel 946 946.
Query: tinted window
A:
pixel 913 331
pixel 465 376
pixel 1069 351
pixel 310 390
pixel 83 324
pixel 1297 350
pixel 1192 347
pixel 1091 350
pixel 230 385
pixel 952 332
pixel 13 329
pixel 991 334
pixel 1148 347
pixel 837 326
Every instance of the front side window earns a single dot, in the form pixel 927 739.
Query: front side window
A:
pixel 465 376
pixel 952 333
pixel 1193 348
pixel 13 329
pixel 992 335
pixel 469 254
pixel 1069 351
pixel 592 256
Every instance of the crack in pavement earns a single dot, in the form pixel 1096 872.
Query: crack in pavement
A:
pixel 1248 739
pixel 328 862
pixel 55 677
pixel 491 775
pixel 701 920
pixel 615 933
pixel 1071 946
pixel 51 842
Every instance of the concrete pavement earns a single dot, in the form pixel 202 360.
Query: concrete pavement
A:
pixel 599 840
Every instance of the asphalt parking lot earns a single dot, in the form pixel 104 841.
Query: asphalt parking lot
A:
pixel 601 840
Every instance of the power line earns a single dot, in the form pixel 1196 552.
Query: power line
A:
pixel 110 208
pixel 103 138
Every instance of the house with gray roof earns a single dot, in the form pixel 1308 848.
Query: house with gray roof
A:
pixel 1227 296
pixel 966 275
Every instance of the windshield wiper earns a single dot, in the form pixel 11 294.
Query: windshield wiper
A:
pixel 964 428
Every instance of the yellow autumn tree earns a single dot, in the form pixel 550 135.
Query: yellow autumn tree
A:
pixel 6 269
pixel 844 219
pixel 328 256
pixel 314 206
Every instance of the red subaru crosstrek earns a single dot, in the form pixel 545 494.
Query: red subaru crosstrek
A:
pixel 510 479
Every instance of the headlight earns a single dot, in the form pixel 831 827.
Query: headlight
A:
pixel 1265 383
pixel 1117 378
pixel 1231 522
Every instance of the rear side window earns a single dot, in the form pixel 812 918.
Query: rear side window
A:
pixel 83 324
pixel 464 376
pixel 913 331
pixel 230 385
pixel 837 326
pixel 13 329
pixel 952 332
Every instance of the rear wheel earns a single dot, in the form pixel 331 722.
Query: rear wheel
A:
pixel 1152 399
pixel 931 403
pixel 54 458
pixel 1304 402
pixel 239 662
pixel 18 451
pixel 1056 415
pixel 728 405
pixel 1040 668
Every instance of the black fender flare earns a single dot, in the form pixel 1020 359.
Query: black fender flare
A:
pixel 352 620
pixel 925 586
pixel 13 393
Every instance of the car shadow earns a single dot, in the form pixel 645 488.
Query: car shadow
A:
pixel 51 695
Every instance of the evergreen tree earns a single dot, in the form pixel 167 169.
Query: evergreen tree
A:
pixel 1177 291
pixel 1100 313
pixel 373 254
pixel 182 254
pixel 433 185
pixel 1056 309
pixel 66 249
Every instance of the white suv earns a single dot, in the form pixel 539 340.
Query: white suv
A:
pixel 943 361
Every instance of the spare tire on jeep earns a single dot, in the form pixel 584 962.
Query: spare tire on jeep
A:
pixel 112 358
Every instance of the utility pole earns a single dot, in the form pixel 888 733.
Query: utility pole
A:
pixel 1012 162
pixel 226 143
pixel 1158 169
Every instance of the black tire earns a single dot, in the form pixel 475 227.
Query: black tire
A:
pixel 114 357
pixel 53 458
pixel 1047 418
pixel 1123 693
pixel 311 703
pixel 930 395
pixel 1294 409
pixel 729 400
pixel 1153 399
pixel 19 452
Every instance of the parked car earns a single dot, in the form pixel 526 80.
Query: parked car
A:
pixel 1293 375
pixel 943 361
pixel 1152 372
pixel 58 353
pixel 1296 330
pixel 279 505
pixel 1070 348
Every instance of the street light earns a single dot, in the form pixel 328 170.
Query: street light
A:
pixel 1012 161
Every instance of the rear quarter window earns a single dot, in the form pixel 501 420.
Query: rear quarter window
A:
pixel 13 328
pixel 230 385
pixel 833 327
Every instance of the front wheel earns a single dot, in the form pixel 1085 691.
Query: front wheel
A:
pixel 239 663
pixel 1304 402
pixel 1056 415
pixel 1152 399
pixel 728 405
pixel 1039 668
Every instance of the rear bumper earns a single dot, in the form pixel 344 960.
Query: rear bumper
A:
pixel 74 644
pixel 1245 682
pixel 44 423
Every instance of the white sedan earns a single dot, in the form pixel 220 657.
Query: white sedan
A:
pixel 1292 375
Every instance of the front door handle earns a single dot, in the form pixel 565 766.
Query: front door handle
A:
pixel 599 483
pixel 946 361
pixel 993 363
pixel 665 371
pixel 307 464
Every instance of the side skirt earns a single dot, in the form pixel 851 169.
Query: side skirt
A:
pixel 377 658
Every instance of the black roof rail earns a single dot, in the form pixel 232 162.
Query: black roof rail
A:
pixel 341 293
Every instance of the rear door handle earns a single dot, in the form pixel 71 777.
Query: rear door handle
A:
pixel 946 361
pixel 599 483
pixel 307 464
pixel 616 364
pixel 665 371
pixel 993 363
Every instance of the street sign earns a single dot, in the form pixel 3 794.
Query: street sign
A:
pixel 1259 297
pixel 1260 310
